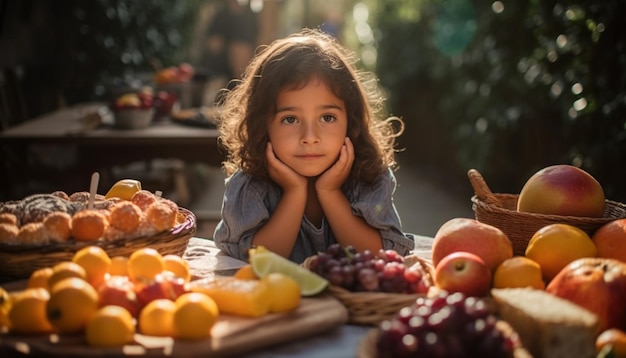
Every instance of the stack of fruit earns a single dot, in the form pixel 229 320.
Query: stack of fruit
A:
pixel 137 109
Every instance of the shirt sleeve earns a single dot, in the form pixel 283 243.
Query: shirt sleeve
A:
pixel 375 204
pixel 244 210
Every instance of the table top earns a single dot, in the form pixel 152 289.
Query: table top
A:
pixel 76 124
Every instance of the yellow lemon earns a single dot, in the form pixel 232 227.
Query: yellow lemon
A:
pixel 110 326
pixel 285 292
pixel 157 318
pixel 40 278
pixel 177 265
pixel 556 245
pixel 96 263
pixel 144 264
pixel 28 311
pixel 73 302
pixel 265 262
pixel 518 271
pixel 124 189
pixel 66 269
pixel 195 315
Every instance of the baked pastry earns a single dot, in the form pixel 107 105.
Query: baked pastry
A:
pixel 8 234
pixel 36 207
pixel 548 326
pixel 61 194
pixel 58 226
pixel 8 218
pixel 83 197
pixel 33 233
pixel 143 199
pixel 160 216
pixel 88 225
pixel 125 216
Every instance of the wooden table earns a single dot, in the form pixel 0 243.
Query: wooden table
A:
pixel 69 135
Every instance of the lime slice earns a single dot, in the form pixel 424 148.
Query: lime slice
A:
pixel 265 262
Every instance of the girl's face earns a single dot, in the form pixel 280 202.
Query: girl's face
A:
pixel 309 128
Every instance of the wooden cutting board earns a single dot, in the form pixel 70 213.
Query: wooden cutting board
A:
pixel 231 335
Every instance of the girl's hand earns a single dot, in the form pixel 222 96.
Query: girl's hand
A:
pixel 336 175
pixel 282 174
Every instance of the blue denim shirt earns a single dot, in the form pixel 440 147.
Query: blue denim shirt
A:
pixel 248 203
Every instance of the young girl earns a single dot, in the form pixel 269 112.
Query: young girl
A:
pixel 309 162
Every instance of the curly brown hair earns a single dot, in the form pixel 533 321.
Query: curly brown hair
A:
pixel 292 62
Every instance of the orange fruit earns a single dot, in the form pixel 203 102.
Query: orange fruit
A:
pixel 144 264
pixel 518 271
pixel 119 266
pixel 66 269
pixel 556 245
pixel 178 266
pixel 614 338
pixel 157 318
pixel 73 302
pixel 246 272
pixel 28 311
pixel 110 326
pixel 40 278
pixel 195 315
pixel 96 263
pixel 285 292
pixel 610 239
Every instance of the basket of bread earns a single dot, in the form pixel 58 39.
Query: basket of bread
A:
pixel 43 229
pixel 555 194
pixel 372 286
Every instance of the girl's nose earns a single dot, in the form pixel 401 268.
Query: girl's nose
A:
pixel 309 134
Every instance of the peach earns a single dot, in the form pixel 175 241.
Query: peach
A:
pixel 562 190
pixel 470 235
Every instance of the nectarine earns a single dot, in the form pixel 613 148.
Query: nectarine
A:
pixel 562 190
pixel 470 235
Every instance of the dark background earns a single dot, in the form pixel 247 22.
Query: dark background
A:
pixel 506 87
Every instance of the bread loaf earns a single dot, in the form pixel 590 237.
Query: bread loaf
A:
pixel 548 326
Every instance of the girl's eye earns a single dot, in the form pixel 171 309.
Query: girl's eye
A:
pixel 328 118
pixel 288 120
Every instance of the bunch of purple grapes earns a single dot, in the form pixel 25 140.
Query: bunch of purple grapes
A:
pixel 365 271
pixel 446 325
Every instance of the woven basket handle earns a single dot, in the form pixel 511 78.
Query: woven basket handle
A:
pixel 481 188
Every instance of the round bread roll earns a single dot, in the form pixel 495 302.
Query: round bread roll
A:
pixel 88 225
pixel 143 199
pixel 160 216
pixel 8 233
pixel 125 216
pixel 58 225
pixel 32 234
pixel 8 218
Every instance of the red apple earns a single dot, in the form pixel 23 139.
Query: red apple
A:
pixel 562 190
pixel 165 285
pixel 463 272
pixel 597 284
pixel 119 291
pixel 470 235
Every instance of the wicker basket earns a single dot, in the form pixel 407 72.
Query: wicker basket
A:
pixel 371 308
pixel 500 210
pixel 19 262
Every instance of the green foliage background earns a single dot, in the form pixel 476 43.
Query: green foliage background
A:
pixel 508 87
